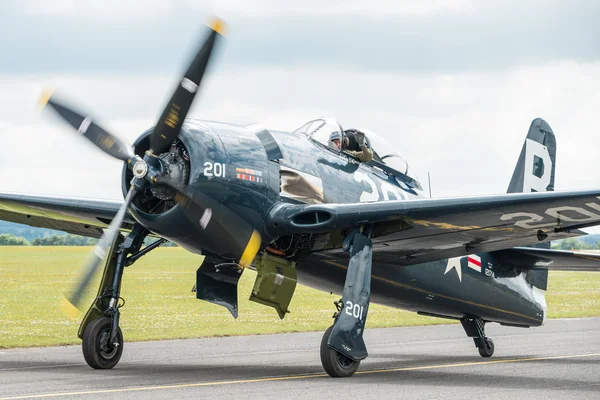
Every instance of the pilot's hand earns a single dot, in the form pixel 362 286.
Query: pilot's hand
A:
pixel 360 138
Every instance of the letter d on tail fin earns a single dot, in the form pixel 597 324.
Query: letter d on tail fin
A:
pixel 535 169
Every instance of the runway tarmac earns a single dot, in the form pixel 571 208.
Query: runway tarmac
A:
pixel 558 360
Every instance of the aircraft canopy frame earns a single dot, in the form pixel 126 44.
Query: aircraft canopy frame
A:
pixel 320 129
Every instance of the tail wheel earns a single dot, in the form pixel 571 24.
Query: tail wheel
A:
pixel 336 364
pixel 98 352
pixel 488 349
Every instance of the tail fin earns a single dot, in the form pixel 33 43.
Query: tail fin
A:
pixel 535 169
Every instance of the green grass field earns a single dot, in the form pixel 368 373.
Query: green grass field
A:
pixel 160 304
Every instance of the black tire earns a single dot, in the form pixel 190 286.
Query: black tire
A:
pixel 488 349
pixel 96 333
pixel 336 364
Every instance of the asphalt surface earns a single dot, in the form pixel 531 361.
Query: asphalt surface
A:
pixel 559 360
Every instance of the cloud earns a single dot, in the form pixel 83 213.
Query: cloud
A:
pixel 466 128
pixel 453 85
pixel 154 9
pixel 105 10
pixel 434 37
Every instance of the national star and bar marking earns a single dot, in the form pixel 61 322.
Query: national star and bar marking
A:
pixel 454 263
pixel 473 262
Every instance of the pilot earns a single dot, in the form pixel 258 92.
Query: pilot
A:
pixel 335 141
pixel 355 145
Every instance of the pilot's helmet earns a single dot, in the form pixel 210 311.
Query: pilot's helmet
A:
pixel 335 135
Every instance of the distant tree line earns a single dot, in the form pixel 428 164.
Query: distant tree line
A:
pixel 591 242
pixel 64 240
pixel 7 239
pixel 575 244
pixel 28 232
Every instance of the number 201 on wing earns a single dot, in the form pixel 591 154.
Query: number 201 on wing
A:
pixel 355 310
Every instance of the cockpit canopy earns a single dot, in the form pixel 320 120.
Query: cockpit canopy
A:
pixel 320 130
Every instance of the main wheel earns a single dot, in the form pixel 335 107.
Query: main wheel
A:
pixel 336 364
pixel 488 349
pixel 98 352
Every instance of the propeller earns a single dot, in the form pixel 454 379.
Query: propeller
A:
pixel 169 124
pixel 244 239
pixel 240 236
pixel 72 302
pixel 106 142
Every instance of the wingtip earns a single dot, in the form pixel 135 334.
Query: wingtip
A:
pixel 219 26
pixel 44 98
pixel 68 309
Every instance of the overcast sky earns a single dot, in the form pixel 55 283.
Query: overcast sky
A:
pixel 453 85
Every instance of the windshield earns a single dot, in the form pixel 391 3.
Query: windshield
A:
pixel 396 162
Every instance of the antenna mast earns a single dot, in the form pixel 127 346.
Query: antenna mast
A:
pixel 429 179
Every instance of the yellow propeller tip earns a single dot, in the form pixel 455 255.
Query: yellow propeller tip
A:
pixel 68 309
pixel 251 249
pixel 44 98
pixel 219 26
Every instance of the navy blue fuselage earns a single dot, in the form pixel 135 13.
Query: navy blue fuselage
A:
pixel 229 163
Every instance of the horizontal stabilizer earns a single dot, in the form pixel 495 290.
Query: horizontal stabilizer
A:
pixel 556 260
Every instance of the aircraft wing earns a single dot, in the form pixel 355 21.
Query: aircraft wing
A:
pixel 77 216
pixel 415 231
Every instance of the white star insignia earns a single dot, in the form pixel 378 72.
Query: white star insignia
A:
pixel 454 263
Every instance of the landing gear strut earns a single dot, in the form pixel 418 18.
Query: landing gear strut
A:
pixel 102 339
pixel 475 328
pixel 342 346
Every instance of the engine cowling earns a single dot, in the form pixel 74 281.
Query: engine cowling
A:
pixel 192 161
pixel 156 209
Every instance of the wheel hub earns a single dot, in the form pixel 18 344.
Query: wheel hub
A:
pixel 344 361
pixel 107 350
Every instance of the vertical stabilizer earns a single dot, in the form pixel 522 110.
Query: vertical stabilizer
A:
pixel 535 169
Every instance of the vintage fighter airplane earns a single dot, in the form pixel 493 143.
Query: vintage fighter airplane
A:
pixel 293 208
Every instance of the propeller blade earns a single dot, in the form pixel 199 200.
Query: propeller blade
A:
pixel 71 303
pixel 108 143
pixel 219 220
pixel 169 124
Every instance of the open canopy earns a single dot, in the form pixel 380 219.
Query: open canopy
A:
pixel 320 130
